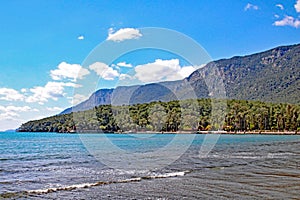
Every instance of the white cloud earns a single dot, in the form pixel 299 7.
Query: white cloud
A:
pixel 81 37
pixel 276 16
pixel 124 64
pixel 8 116
pixel 12 112
pixel 54 109
pixel 125 76
pixel 9 94
pixel 288 21
pixel 123 34
pixel 297 6
pixel 280 6
pixel 23 90
pixel 52 90
pixel 162 70
pixel 104 71
pixel 186 71
pixel 69 71
pixel 250 6
pixel 15 108
pixel 78 98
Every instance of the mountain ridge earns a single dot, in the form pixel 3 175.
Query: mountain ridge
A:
pixel 272 76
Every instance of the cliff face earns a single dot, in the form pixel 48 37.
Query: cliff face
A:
pixel 272 76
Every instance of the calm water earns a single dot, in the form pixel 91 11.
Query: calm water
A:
pixel 58 166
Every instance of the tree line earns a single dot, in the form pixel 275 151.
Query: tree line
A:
pixel 191 115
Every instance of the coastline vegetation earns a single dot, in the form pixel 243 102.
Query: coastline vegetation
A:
pixel 174 116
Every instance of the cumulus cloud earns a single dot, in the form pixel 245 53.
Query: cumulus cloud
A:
pixel 125 76
pixel 81 37
pixel 68 71
pixel 124 64
pixel 162 70
pixel 78 98
pixel 11 112
pixel 104 71
pixel 123 34
pixel 15 108
pixel 250 6
pixel 8 115
pixel 52 90
pixel 297 6
pixel 186 71
pixel 288 21
pixel 9 94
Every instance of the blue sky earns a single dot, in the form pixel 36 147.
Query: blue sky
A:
pixel 43 41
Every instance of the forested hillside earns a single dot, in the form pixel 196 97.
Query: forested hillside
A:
pixel 172 116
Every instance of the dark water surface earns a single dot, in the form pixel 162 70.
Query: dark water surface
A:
pixel 58 166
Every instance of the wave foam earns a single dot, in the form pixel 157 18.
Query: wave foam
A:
pixel 88 185
pixel 167 175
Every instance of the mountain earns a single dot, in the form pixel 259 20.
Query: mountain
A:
pixel 270 76
pixel 100 97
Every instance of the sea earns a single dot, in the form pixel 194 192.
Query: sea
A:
pixel 149 166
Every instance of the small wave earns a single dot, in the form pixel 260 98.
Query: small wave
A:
pixel 70 187
pixel 280 155
pixel 246 155
pixel 167 175
pixel 89 185
pixel 236 156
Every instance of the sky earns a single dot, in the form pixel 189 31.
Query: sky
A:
pixel 44 45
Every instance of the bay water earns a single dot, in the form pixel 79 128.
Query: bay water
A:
pixel 62 166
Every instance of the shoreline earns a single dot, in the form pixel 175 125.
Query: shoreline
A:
pixel 255 133
pixel 192 132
